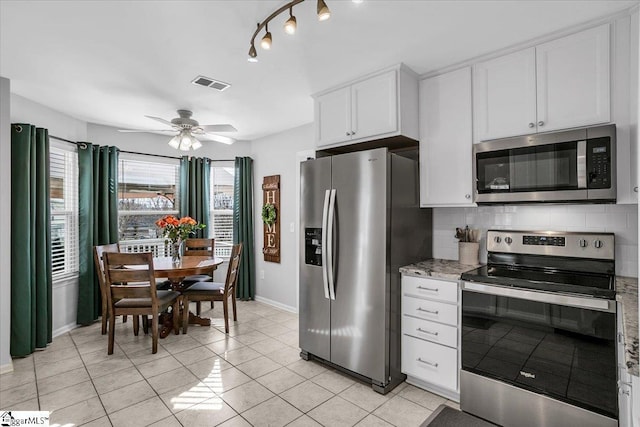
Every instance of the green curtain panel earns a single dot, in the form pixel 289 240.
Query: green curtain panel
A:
pixel 98 219
pixel 194 190
pixel 31 325
pixel 243 226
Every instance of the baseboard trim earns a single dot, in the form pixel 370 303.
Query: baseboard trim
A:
pixel 6 368
pixel 276 304
pixel 64 329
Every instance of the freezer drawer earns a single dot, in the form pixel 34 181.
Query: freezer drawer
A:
pixel 430 331
pixel 430 310
pixel 440 290
pixel 433 363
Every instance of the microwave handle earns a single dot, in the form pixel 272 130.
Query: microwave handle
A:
pixel 581 159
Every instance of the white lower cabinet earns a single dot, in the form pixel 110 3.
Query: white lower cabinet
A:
pixel 430 334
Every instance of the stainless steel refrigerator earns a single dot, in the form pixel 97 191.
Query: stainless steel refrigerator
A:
pixel 360 221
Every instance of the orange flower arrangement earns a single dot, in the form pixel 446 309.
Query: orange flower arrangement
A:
pixel 177 229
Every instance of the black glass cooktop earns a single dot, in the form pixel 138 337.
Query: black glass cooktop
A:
pixel 597 285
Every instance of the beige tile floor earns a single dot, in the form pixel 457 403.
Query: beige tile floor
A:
pixel 253 376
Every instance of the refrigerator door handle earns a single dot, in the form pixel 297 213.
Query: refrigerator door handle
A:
pixel 325 212
pixel 329 268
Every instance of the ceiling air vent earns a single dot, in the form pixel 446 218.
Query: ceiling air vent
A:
pixel 209 82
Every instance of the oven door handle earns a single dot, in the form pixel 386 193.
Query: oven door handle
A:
pixel 541 296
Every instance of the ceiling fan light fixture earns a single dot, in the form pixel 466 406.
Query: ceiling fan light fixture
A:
pixel 196 144
pixel 323 11
pixel 291 25
pixel 175 142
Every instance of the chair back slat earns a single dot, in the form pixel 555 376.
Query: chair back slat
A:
pixel 199 247
pixel 232 271
pixel 98 251
pixel 123 268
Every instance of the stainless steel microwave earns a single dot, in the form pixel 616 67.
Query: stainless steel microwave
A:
pixel 570 166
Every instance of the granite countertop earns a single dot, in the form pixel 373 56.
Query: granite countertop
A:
pixel 437 268
pixel 627 295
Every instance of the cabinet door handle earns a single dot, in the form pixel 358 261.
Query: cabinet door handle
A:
pixel 540 123
pixel 428 311
pixel 635 189
pixel 426 362
pixel 435 334
pixel 353 132
pixel 531 124
pixel 467 196
pixel 348 133
pixel 428 289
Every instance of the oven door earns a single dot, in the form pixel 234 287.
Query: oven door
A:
pixel 556 345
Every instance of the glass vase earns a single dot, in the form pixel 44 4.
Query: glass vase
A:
pixel 177 251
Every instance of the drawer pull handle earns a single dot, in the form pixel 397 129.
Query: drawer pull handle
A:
pixel 428 311
pixel 426 362
pixel 427 332
pixel 428 289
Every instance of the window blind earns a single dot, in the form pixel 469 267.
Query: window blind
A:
pixel 221 207
pixel 64 210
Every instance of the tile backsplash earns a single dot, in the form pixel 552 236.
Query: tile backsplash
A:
pixel 619 219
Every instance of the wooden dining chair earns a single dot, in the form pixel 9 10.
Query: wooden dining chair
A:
pixel 131 289
pixel 207 291
pixel 98 251
pixel 199 247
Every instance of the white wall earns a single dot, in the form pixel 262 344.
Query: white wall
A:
pixel 276 155
pixel 65 292
pixel 619 219
pixel 5 228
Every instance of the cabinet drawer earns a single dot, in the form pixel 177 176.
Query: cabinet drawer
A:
pixel 430 310
pixel 429 288
pixel 430 331
pixel 430 362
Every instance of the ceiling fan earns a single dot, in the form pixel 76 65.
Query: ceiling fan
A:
pixel 186 130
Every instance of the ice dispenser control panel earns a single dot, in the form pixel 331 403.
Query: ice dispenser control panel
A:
pixel 313 246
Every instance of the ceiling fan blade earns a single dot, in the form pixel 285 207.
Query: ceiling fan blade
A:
pixel 219 128
pixel 218 138
pixel 166 122
pixel 146 131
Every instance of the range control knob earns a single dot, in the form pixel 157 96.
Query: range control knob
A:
pixel 598 244
pixel 508 240
pixel 497 239
pixel 582 243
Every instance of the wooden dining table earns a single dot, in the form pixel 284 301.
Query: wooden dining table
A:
pixel 165 267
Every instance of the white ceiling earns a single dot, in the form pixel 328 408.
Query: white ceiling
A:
pixel 112 62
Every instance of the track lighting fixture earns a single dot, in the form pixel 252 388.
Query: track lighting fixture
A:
pixel 290 26
pixel 265 43
pixel 323 11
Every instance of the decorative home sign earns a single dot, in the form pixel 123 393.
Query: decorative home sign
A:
pixel 271 217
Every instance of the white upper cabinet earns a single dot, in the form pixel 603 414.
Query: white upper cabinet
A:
pixel 373 106
pixel 557 85
pixel 381 105
pixel 333 116
pixel 573 80
pixel 446 140
pixel 505 95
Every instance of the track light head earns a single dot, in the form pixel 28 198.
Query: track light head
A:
pixel 265 43
pixel 253 55
pixel 291 25
pixel 323 11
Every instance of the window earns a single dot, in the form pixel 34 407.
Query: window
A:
pixel 147 190
pixel 221 207
pixel 63 186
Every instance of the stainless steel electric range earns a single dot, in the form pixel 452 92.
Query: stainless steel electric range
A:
pixel 538 331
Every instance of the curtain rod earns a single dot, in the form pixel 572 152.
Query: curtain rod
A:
pixel 134 152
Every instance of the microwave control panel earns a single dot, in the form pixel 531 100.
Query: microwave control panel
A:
pixel 599 163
